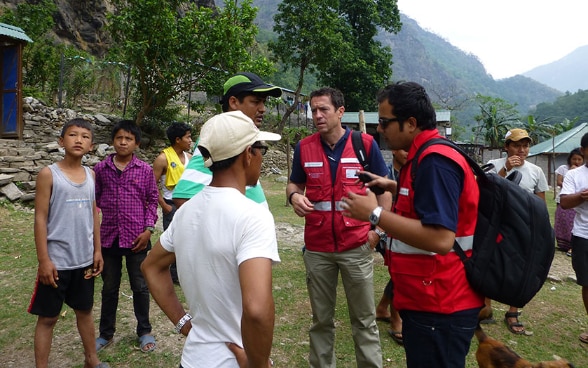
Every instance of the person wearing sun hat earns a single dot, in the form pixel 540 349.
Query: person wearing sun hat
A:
pixel 224 245
pixel 517 143
pixel 245 92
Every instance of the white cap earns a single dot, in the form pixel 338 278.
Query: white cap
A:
pixel 228 134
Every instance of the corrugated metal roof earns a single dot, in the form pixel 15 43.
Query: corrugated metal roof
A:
pixel 13 32
pixel 563 143
pixel 352 117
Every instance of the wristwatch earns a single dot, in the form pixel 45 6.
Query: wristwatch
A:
pixel 382 234
pixel 375 216
pixel 150 228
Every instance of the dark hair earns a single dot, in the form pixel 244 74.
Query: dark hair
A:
pixel 177 130
pixel 218 165
pixel 336 96
pixel 575 151
pixel 78 122
pixel 128 126
pixel 409 99
pixel 584 141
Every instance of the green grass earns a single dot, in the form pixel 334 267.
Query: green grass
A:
pixel 556 315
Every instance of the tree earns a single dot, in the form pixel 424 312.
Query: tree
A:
pixel 173 46
pixel 362 65
pixel 41 58
pixel 306 38
pixel 317 36
pixel 496 117
pixel 539 130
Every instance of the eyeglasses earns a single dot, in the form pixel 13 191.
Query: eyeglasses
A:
pixel 263 149
pixel 385 122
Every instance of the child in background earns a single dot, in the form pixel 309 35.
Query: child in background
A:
pixel 67 238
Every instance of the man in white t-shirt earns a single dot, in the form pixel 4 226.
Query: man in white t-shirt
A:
pixel 516 144
pixel 224 245
pixel 574 194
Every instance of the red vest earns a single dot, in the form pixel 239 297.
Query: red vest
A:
pixel 326 229
pixel 425 281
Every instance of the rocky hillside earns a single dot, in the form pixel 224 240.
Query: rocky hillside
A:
pixel 82 23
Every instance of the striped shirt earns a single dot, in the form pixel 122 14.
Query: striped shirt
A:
pixel 196 176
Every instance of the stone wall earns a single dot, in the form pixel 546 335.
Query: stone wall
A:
pixel 21 161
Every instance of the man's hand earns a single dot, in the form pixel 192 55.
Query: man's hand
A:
pixel 359 206
pixel 241 356
pixel 513 161
pixel 302 206
pixel 141 241
pixel 378 181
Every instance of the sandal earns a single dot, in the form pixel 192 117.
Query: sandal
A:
pixel 396 336
pixel 584 337
pixel 147 343
pixel 511 325
pixel 101 343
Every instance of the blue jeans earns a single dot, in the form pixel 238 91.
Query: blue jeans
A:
pixel 434 340
pixel 111 275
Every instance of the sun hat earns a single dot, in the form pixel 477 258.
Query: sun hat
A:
pixel 228 134
pixel 516 135
pixel 248 82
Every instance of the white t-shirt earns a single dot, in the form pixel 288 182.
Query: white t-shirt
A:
pixel 533 178
pixel 576 180
pixel 211 235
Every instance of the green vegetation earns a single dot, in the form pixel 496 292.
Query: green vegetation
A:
pixel 168 54
pixel 556 315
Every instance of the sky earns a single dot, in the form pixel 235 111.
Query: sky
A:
pixel 509 37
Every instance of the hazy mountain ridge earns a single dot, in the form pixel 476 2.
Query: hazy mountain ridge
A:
pixel 568 74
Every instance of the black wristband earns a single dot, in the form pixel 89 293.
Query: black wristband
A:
pixel 290 197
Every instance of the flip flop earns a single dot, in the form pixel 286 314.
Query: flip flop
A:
pixel 394 335
pixel 101 343
pixel 147 343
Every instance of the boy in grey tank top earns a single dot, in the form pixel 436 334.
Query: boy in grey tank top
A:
pixel 67 238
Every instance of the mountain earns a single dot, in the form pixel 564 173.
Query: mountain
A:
pixel 568 74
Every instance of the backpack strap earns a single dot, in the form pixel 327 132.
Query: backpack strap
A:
pixel 359 149
pixel 478 171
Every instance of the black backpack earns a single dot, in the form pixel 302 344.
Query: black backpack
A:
pixel 514 241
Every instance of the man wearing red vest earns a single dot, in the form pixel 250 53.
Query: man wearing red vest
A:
pixel 324 170
pixel 437 207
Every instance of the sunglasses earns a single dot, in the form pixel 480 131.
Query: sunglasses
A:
pixel 263 149
pixel 385 122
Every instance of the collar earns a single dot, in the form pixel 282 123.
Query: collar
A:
pixel 421 138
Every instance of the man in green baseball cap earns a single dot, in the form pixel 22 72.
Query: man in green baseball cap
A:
pixel 245 92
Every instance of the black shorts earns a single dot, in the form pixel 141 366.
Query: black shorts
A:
pixel 72 288
pixel 580 259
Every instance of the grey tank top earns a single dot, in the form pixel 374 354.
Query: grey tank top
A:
pixel 70 224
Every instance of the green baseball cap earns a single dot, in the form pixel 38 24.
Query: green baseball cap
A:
pixel 248 82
